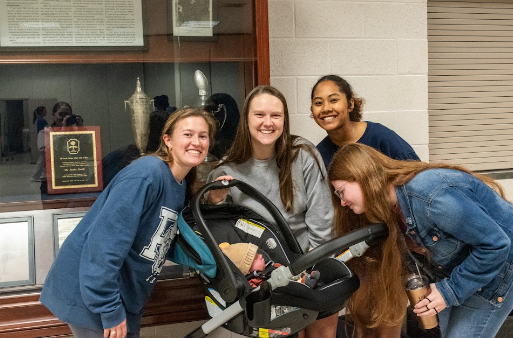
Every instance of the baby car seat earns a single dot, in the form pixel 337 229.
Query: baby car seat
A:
pixel 281 306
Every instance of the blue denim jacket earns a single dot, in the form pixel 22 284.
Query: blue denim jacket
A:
pixel 467 230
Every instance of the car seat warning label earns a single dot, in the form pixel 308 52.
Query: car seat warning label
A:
pixel 267 333
pixel 249 227
pixel 212 308
pixel 280 310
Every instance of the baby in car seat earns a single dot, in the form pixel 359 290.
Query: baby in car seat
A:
pixel 252 264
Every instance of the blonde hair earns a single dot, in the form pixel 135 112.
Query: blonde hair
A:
pixel 378 301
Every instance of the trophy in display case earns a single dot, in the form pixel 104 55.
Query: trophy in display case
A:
pixel 141 107
pixel 217 111
pixel 201 82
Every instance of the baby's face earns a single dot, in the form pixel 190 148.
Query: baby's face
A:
pixel 258 263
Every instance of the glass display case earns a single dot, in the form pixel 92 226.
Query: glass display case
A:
pixel 95 55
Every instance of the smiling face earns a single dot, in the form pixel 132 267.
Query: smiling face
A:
pixel 330 108
pixel 188 144
pixel 265 122
pixel 352 195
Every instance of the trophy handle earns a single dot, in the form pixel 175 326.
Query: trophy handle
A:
pixel 221 110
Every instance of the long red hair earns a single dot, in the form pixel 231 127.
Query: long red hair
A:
pixel 381 301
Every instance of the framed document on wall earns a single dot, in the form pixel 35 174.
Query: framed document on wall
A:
pixel 73 160
pixel 192 18
pixel 63 225
pixel 71 23
pixel 16 251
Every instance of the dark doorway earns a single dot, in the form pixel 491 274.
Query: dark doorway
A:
pixel 14 131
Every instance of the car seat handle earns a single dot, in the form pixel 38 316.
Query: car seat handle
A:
pixel 247 189
pixel 229 289
pixel 371 234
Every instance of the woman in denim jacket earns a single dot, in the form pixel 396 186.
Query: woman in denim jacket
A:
pixel 458 221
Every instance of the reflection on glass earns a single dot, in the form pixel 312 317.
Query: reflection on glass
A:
pixel 214 38
pixel 95 78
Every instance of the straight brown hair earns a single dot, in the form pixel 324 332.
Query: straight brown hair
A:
pixel 285 150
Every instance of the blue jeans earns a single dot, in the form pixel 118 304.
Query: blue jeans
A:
pixel 475 318
pixel 80 332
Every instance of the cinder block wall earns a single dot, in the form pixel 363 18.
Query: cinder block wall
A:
pixel 380 47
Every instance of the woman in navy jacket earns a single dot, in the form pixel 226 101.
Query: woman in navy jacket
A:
pixel 457 221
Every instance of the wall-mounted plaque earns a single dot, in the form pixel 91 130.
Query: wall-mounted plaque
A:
pixel 16 251
pixel 63 225
pixel 73 160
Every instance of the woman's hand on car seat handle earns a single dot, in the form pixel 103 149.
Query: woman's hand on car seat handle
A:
pixel 219 196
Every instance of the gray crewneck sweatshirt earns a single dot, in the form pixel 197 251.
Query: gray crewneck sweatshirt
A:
pixel 312 213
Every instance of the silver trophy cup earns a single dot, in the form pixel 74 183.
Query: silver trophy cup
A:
pixel 140 109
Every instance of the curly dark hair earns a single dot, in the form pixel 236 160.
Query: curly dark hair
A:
pixel 344 87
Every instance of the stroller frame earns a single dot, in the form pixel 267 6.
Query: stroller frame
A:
pixel 257 301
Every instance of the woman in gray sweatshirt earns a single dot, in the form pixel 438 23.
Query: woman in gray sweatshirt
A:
pixel 287 169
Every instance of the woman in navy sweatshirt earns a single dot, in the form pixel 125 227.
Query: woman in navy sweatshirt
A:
pixel 107 267
pixel 338 110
